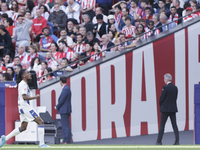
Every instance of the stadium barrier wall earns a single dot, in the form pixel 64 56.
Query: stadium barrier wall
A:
pixel 120 96
pixel 197 113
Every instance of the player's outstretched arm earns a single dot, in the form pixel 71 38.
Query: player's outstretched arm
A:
pixel 25 97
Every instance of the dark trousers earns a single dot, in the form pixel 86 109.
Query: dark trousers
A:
pixel 38 37
pixel 164 117
pixel 66 131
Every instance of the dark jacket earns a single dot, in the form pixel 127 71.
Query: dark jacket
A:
pixel 159 26
pixel 6 41
pixel 168 98
pixel 109 45
pixel 64 101
pixel 102 29
pixel 59 18
pixel 89 26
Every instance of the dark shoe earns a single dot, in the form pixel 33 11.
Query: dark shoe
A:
pixel 176 143
pixel 158 143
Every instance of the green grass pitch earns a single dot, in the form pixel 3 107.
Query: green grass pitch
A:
pixel 104 147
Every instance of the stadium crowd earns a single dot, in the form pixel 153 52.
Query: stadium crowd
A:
pixel 45 35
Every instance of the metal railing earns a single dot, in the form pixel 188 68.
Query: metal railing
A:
pixel 131 39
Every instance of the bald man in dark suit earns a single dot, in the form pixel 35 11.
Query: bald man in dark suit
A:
pixel 168 108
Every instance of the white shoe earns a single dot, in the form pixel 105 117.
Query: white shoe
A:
pixel 44 146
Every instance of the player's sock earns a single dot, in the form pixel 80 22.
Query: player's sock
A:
pixel 41 134
pixel 15 132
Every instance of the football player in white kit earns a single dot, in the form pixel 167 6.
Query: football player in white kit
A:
pixel 27 113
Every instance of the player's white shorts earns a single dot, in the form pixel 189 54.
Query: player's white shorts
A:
pixel 27 113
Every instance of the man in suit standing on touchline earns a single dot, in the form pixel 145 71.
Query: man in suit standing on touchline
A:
pixel 64 109
pixel 168 108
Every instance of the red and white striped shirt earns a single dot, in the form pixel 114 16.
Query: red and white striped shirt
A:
pixel 30 57
pixel 85 4
pixel 118 18
pixel 69 54
pixel 56 55
pixel 23 58
pixel 51 63
pixel 175 19
pixel 188 18
pixel 152 33
pixel 95 57
pixel 129 31
pixel 79 48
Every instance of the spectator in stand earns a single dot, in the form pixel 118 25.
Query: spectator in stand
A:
pixel 122 4
pixel 88 50
pixel 45 42
pixel 135 11
pixel 121 41
pixel 129 30
pixel 152 30
pixel 55 51
pixel 38 24
pixel 65 50
pixel 50 60
pixel 165 21
pixel 73 11
pixel 156 21
pixel 174 16
pixel 6 42
pixel 22 12
pixel 5 77
pixel 6 60
pixel 188 17
pixel 82 31
pixel 10 70
pixel 140 30
pixel 118 15
pixel 4 9
pixel 9 26
pixel 125 12
pixel 40 73
pixel 63 34
pixel 76 31
pixel 148 15
pixel 70 27
pixel 91 38
pixel 23 55
pixel 80 46
pixel 35 64
pixel 75 58
pixel 22 3
pixel 17 61
pixel 99 27
pixel 112 36
pixel 87 23
pixel 63 63
pixel 44 12
pixel 112 28
pixel 57 18
pixel 49 75
pixel 144 4
pixel 17 68
pixel 179 10
pixel 161 4
pixel 97 12
pixel 194 7
pixel 60 3
pixel 22 35
pixel 33 53
pixel 4 17
pixel 106 44
pixel 95 55
pixel 34 11
pixel 2 67
pixel 88 7
pixel 14 6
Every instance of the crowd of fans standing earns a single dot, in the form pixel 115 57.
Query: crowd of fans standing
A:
pixel 45 35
